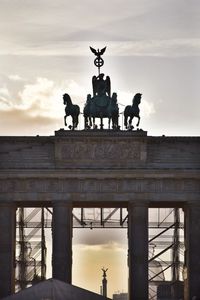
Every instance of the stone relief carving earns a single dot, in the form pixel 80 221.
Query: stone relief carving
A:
pixel 101 151
pixel 98 185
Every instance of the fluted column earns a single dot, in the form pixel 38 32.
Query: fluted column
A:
pixel 7 248
pixel 192 255
pixel 62 241
pixel 138 250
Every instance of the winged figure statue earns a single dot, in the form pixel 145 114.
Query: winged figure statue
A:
pixel 101 86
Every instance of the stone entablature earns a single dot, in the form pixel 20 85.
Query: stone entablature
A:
pixel 100 166
pixel 102 150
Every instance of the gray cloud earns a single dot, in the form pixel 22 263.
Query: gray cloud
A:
pixel 100 237
pixel 29 27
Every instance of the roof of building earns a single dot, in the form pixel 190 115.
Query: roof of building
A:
pixel 53 289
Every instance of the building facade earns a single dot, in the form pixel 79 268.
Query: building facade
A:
pixel 100 169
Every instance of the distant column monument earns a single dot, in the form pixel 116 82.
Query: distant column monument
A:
pixel 104 283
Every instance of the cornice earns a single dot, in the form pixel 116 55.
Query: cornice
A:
pixel 101 173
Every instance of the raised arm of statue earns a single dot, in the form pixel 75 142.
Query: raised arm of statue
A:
pixel 104 272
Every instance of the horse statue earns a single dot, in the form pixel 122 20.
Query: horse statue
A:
pixel 86 113
pixel 113 111
pixel 132 111
pixel 71 110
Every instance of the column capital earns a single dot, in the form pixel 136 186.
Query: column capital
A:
pixel 192 204
pixel 60 203
pixel 8 204
pixel 138 203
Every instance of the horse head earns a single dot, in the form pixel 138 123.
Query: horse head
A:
pixel 114 98
pixel 89 99
pixel 66 99
pixel 137 99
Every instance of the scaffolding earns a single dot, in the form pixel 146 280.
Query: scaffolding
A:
pixel 166 241
pixel 30 247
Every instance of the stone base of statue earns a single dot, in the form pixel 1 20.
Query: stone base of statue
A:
pixel 106 132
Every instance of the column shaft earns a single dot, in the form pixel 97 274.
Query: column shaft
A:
pixel 7 249
pixel 192 243
pixel 138 251
pixel 62 242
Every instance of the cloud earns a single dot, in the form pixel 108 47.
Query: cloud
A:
pixel 44 96
pixel 21 122
pixel 142 27
pixel 179 47
pixel 108 246
pixel 100 237
pixel 147 108
pixel 15 77
pixel 37 106
pixel 4 103
pixel 4 92
pixel 4 95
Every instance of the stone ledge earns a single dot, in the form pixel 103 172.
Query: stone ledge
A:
pixel 91 133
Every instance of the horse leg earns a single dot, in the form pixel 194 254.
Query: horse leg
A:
pixel 115 121
pixel 86 122
pixel 109 120
pixel 101 124
pixel 65 120
pixel 90 121
pixel 73 123
pixel 138 121
pixel 94 123
pixel 125 121
pixel 130 123
pixel 77 120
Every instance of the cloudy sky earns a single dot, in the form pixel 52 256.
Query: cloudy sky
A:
pixel 153 47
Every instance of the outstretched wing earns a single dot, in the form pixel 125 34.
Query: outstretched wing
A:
pixel 108 85
pixel 102 51
pixel 93 51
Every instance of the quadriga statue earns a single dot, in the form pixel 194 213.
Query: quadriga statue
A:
pixel 101 105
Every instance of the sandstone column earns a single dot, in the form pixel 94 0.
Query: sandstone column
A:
pixel 62 241
pixel 138 250
pixel 192 257
pixel 7 248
